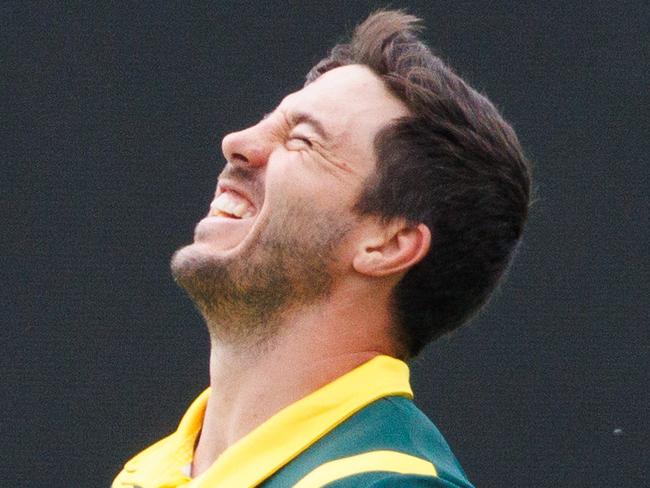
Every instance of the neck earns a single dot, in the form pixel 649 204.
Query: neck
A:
pixel 250 383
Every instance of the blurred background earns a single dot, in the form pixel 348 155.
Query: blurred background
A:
pixel 112 118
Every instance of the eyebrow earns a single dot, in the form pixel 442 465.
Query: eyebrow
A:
pixel 297 118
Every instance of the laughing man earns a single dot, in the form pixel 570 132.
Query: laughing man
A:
pixel 370 213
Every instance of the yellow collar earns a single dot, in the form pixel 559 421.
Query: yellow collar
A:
pixel 293 429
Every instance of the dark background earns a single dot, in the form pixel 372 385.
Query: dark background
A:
pixel 112 117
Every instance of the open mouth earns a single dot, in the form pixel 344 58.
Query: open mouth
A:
pixel 231 205
pixel 231 220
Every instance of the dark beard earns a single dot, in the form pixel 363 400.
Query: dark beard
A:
pixel 244 300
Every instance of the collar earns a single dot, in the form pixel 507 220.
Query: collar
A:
pixel 293 429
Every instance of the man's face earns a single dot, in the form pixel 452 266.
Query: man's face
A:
pixel 275 234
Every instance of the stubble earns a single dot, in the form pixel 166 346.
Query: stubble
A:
pixel 245 299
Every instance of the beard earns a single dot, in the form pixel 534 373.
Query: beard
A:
pixel 244 299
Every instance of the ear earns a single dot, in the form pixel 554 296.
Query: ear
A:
pixel 395 250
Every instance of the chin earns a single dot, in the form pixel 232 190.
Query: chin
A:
pixel 189 259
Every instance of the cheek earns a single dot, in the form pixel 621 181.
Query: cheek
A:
pixel 286 167
pixel 289 179
pixel 293 176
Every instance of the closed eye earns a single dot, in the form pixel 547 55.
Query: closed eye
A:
pixel 300 140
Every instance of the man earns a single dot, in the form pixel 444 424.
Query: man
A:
pixel 371 212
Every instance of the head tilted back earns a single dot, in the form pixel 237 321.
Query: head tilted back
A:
pixel 453 164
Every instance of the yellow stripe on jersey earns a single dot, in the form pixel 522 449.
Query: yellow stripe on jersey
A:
pixel 388 461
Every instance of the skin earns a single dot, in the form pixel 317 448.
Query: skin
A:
pixel 284 162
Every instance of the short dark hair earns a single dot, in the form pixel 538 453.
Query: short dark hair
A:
pixel 453 164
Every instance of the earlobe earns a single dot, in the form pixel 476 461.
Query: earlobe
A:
pixel 366 261
pixel 401 249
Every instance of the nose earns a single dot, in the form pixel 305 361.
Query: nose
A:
pixel 246 147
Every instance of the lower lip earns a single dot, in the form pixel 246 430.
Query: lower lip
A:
pixel 222 232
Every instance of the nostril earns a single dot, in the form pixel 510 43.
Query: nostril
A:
pixel 239 158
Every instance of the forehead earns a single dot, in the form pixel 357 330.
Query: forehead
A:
pixel 351 103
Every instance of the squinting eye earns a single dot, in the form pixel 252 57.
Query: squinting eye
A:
pixel 302 140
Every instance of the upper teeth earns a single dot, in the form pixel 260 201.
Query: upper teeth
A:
pixel 231 203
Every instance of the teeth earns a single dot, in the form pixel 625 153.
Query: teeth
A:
pixel 232 204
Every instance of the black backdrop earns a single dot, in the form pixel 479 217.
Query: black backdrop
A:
pixel 112 116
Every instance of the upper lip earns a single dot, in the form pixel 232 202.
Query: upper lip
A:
pixel 227 185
